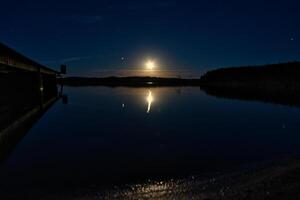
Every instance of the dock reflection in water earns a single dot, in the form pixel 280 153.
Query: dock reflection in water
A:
pixel 21 107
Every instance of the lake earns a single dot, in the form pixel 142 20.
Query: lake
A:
pixel 112 136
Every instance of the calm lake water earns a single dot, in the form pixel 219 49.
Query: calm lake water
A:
pixel 107 136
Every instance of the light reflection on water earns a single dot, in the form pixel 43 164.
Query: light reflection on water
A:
pixel 171 189
pixel 150 99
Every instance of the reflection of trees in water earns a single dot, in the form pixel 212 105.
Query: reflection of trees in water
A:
pixel 280 96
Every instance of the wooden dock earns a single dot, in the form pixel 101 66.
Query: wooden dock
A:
pixel 11 60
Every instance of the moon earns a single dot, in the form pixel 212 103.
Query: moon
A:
pixel 150 65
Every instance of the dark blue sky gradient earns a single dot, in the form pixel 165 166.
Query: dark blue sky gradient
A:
pixel 91 36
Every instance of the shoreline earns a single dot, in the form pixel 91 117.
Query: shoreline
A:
pixel 276 179
pixel 128 81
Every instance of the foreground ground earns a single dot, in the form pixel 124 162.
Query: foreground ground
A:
pixel 280 180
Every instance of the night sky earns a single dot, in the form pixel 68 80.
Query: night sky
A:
pixel 93 37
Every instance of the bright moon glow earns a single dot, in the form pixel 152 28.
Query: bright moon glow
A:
pixel 150 64
pixel 149 100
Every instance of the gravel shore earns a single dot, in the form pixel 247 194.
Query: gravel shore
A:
pixel 279 180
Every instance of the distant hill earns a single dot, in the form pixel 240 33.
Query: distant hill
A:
pixel 277 76
pixel 128 81
pixel 278 83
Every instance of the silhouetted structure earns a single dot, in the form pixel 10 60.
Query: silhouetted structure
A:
pixel 28 89
pixel 11 60
pixel 17 70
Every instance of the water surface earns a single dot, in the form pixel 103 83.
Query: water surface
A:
pixel 107 136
